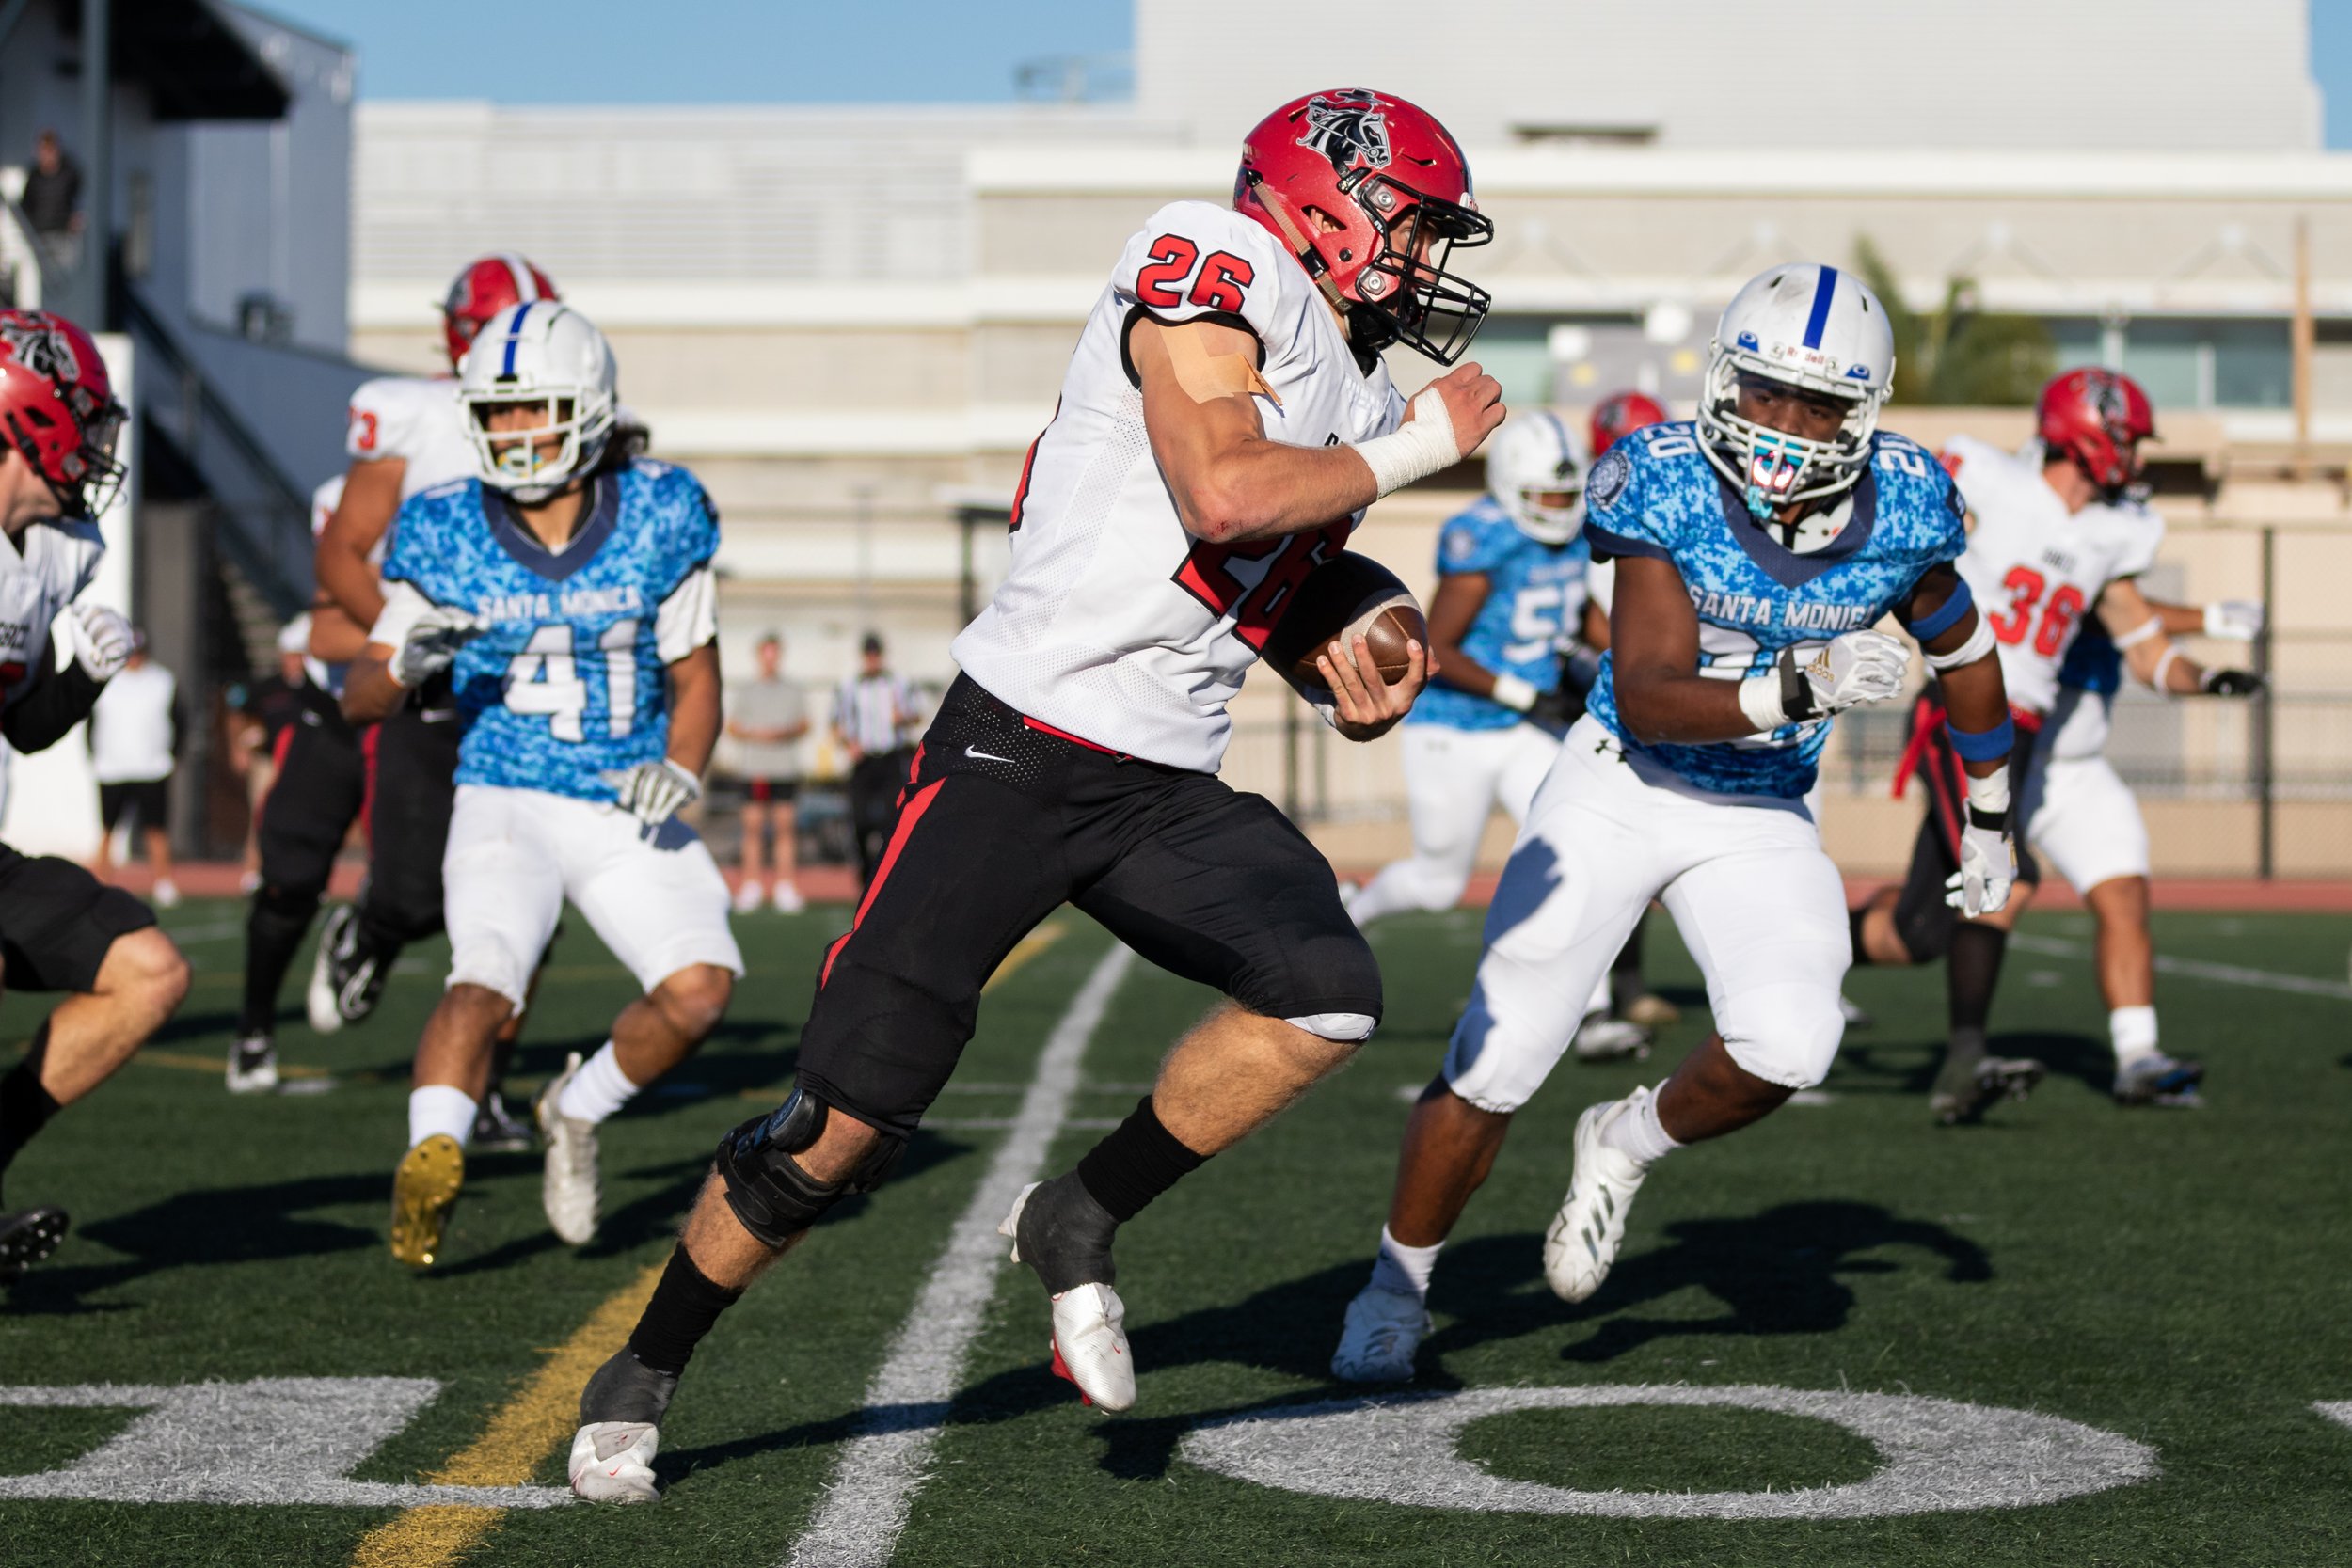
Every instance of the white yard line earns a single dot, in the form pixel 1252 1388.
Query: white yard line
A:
pixel 880 1470
pixel 2197 969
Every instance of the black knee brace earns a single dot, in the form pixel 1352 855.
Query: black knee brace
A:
pixel 770 1194
pixel 294 907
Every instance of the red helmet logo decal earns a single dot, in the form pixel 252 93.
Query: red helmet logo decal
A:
pixel 1349 129
pixel 41 349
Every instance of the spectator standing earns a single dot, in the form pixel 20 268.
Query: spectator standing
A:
pixel 53 202
pixel 768 716
pixel 872 715
pixel 134 739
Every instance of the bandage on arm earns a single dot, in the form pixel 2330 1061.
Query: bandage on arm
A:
pixel 1231 483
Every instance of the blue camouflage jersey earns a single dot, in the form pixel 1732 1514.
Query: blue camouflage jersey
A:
pixel 1654 494
pixel 569 682
pixel 2094 663
pixel 1534 606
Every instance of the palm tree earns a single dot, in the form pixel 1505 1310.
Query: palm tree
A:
pixel 1961 354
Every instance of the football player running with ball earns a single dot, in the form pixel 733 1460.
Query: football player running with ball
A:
pixel 567 594
pixel 2059 534
pixel 62 928
pixel 1223 424
pixel 1755 548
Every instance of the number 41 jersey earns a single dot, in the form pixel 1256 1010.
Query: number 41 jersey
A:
pixel 570 678
pixel 1114 623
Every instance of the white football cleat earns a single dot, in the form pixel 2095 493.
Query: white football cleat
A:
pixel 785 899
pixel 1602 1039
pixel 746 896
pixel 569 1190
pixel 1377 1343
pixel 252 1065
pixel 613 1462
pixel 1091 1346
pixel 337 936
pixel 1583 1241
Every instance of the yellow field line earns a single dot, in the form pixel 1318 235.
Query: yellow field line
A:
pixel 537 1420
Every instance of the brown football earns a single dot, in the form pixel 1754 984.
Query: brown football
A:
pixel 1348 596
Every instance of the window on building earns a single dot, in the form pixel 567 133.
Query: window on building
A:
pixel 2188 362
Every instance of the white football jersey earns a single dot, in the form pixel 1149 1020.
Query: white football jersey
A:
pixel 417 419
pixel 39 576
pixel 2035 569
pixel 1114 623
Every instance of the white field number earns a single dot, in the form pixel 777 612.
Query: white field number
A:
pixel 544 678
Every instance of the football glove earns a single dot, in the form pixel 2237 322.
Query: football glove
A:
pixel 103 641
pixel 1556 709
pixel 2240 619
pixel 2231 683
pixel 1858 667
pixel 653 792
pixel 433 643
pixel 1988 864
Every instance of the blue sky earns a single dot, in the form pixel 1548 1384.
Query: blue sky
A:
pixel 793 51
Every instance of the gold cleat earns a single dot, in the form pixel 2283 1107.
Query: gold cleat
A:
pixel 425 1190
pixel 1652 1012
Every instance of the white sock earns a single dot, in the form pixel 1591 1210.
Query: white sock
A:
pixel 2133 1032
pixel 1599 1004
pixel 439 1108
pixel 1405 1268
pixel 598 1089
pixel 1637 1134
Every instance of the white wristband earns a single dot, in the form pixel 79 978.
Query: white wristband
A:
pixel 1991 792
pixel 1759 699
pixel 1419 447
pixel 1514 693
pixel 2141 633
pixel 1978 645
pixel 2164 668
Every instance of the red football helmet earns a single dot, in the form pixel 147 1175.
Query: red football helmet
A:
pixel 483 288
pixel 1398 189
pixel 2098 417
pixel 1619 417
pixel 57 407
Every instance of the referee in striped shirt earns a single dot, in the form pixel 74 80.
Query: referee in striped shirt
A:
pixel 873 713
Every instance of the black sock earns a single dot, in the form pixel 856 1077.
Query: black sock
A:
pixel 1136 1161
pixel 1971 970
pixel 684 1307
pixel 26 1108
pixel 273 934
pixel 1853 934
pixel 502 1058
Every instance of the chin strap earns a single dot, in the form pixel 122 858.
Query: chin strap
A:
pixel 1299 245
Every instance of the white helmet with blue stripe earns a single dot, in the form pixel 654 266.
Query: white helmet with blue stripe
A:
pixel 1535 472
pixel 1810 327
pixel 538 352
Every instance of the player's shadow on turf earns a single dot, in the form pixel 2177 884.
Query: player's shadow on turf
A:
pixel 1782 1272
pixel 213 1226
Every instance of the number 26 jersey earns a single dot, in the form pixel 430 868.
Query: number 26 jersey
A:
pixel 570 678
pixel 1113 623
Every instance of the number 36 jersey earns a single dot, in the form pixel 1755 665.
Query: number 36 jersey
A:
pixel 568 680
pixel 1654 494
pixel 1114 624
pixel 2037 570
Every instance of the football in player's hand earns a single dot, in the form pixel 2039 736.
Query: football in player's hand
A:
pixel 1349 595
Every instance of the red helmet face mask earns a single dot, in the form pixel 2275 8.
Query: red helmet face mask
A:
pixel 2098 417
pixel 1372 194
pixel 58 409
pixel 483 288
pixel 1616 418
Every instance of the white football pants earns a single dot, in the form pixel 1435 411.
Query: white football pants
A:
pixel 514 856
pixel 1758 902
pixel 2083 819
pixel 1452 780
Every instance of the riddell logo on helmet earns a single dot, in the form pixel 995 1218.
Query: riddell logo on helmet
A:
pixel 41 349
pixel 1348 130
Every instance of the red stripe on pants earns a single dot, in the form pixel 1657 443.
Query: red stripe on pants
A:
pixel 912 813
pixel 367 795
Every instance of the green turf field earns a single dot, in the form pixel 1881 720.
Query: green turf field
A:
pixel 2164 1290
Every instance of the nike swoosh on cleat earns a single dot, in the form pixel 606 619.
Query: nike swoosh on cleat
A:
pixel 984 757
